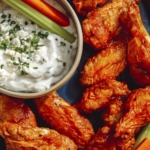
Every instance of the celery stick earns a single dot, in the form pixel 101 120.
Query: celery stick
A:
pixel 40 19
pixel 144 133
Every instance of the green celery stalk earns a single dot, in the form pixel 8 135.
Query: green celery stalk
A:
pixel 144 133
pixel 40 19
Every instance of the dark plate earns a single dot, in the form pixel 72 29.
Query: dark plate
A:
pixel 72 91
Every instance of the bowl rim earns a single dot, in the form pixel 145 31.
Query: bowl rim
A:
pixel 76 62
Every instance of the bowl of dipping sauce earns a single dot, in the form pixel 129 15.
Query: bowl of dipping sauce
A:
pixel 33 61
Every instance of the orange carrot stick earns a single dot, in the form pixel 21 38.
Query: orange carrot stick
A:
pixel 144 145
pixel 49 11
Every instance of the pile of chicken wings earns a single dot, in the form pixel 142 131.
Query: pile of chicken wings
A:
pixel 116 32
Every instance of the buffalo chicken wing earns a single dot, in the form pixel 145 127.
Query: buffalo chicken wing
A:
pixel 18 137
pixel 105 65
pixel 16 111
pixel 66 119
pixel 138 46
pixel 102 24
pixel 100 95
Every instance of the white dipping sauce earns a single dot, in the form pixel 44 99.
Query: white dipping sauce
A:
pixel 32 59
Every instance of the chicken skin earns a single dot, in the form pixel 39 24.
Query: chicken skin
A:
pixel 105 65
pixel 19 137
pixel 100 95
pixel 16 111
pixel 137 115
pixel 103 140
pixel 84 6
pixel 65 118
pixel 113 112
pixel 102 24
pixel 138 47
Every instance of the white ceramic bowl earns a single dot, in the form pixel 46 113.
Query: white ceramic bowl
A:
pixel 59 84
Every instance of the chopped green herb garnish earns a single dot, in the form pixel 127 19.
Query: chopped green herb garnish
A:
pixel 63 44
pixel 43 35
pixel 8 20
pixel 12 58
pixel 18 49
pixel 25 64
pixel 64 63
pixel 3 16
pixel 43 59
pixel 9 16
pixel 12 22
pixel 33 31
pixel 15 63
pixel 1 66
pixel 20 66
pixel 40 45
pixel 24 73
pixel 71 46
pixel 3 21
pixel 46 34
pixel 35 40
pixel 4 44
pixel 14 30
pixel 25 48
pixel 26 23
pixel 32 22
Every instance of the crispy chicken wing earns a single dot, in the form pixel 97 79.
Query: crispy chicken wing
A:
pixel 19 137
pixel 16 111
pixel 102 24
pixel 138 47
pixel 65 118
pixel 84 6
pixel 107 64
pixel 100 95
pixel 137 115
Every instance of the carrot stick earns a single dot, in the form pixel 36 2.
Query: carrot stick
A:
pixel 144 145
pixel 49 11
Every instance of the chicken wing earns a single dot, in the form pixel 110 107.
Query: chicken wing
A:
pixel 105 65
pixel 102 24
pixel 19 137
pixel 137 115
pixel 65 118
pixel 100 95
pixel 16 111
pixel 138 47
pixel 84 6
